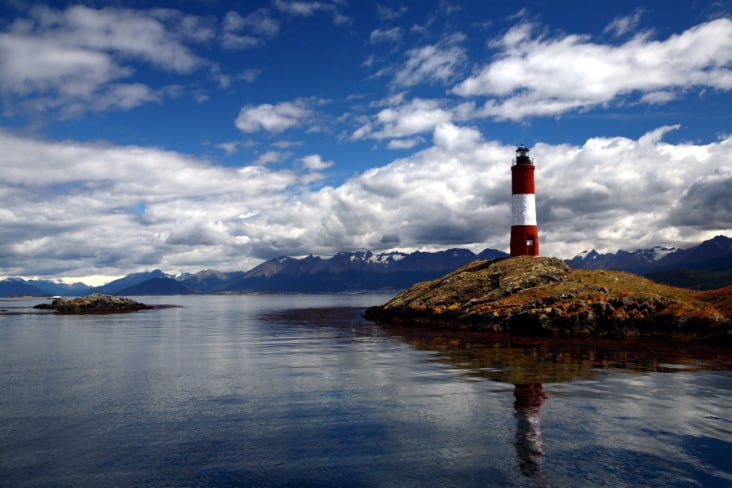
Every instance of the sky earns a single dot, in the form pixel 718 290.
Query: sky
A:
pixel 209 134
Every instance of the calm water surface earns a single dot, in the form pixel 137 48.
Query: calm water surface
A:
pixel 298 390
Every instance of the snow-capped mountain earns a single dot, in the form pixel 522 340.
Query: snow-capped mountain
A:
pixel 711 254
pixel 349 271
pixel 706 265
pixel 640 261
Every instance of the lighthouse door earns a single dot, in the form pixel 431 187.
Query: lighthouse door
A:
pixel 530 246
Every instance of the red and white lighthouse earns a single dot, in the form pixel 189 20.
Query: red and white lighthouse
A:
pixel 524 231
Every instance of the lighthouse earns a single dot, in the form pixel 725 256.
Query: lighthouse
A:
pixel 524 231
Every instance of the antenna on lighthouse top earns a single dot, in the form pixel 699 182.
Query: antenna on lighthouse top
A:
pixel 522 155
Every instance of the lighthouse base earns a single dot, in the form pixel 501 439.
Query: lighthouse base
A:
pixel 524 240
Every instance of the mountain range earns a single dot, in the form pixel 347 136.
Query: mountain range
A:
pixel 703 267
pixel 706 266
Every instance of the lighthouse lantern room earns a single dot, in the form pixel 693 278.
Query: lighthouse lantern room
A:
pixel 524 230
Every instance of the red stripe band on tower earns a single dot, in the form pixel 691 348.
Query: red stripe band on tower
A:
pixel 522 179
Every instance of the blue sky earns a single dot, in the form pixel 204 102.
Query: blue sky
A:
pixel 211 134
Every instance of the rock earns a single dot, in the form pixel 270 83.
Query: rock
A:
pixel 543 296
pixel 95 303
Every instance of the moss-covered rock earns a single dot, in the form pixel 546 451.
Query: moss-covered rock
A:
pixel 544 296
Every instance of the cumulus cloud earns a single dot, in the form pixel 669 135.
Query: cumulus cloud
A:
pixel 428 200
pixel 608 193
pixel 273 118
pixel 628 193
pixel 58 58
pixel 76 209
pixel 314 162
pixel 535 76
pixel 407 118
pixel 198 232
pixel 705 204
pixel 103 209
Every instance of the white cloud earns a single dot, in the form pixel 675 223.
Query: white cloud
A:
pixel 386 35
pixel 254 30
pixel 229 147
pixel 310 8
pixel 314 162
pixel 706 203
pixel 225 80
pixel 197 29
pixel 457 193
pixel 58 58
pixel 658 97
pixel 29 64
pixel 273 118
pixel 624 190
pixel 77 209
pixel 410 118
pixel 437 63
pixel 287 144
pixel 405 143
pixel 625 24
pixel 78 205
pixel 134 33
pixel 270 157
pixel 125 96
pixel 198 232
pixel 453 138
pixel 429 200
pixel 534 76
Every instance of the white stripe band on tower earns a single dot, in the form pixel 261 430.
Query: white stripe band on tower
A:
pixel 523 209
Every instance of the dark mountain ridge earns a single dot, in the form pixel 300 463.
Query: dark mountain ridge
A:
pixel 709 254
pixel 706 266
pixel 158 286
pixel 357 271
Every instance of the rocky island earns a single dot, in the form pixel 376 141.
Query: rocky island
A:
pixel 95 303
pixel 530 295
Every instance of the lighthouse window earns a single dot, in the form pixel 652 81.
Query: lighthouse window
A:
pixel 530 242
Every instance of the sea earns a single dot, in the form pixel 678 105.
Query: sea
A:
pixel 301 391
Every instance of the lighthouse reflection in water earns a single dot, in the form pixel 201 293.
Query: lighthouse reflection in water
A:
pixel 527 406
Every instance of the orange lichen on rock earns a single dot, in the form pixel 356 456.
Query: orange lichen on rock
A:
pixel 721 299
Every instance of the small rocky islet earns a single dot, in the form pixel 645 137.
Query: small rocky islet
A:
pixel 543 296
pixel 95 303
